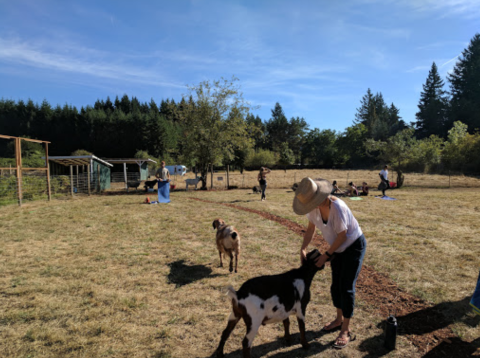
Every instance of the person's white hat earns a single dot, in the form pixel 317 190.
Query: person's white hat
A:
pixel 310 194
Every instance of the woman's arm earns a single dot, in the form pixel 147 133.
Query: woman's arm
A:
pixel 339 240
pixel 307 238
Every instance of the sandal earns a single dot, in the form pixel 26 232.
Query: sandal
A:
pixel 350 338
pixel 331 329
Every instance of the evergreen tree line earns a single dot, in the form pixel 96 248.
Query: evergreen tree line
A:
pixel 194 131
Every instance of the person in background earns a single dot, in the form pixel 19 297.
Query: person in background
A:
pixel 262 180
pixel 347 247
pixel 364 189
pixel 353 191
pixel 385 184
pixel 162 173
pixel 335 189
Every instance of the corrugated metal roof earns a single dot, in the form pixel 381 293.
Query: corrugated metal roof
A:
pixel 129 160
pixel 77 160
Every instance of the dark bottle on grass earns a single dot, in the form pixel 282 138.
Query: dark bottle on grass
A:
pixel 391 333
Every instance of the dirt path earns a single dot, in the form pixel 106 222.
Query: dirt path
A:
pixel 421 322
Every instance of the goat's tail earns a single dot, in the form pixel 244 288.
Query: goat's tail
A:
pixel 233 295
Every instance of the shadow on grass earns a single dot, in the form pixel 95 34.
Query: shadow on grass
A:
pixel 295 350
pixel 424 323
pixel 182 274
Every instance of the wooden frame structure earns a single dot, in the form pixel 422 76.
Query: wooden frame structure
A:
pixel 81 160
pixel 19 167
pixel 126 161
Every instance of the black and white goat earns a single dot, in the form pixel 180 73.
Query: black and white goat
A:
pixel 269 299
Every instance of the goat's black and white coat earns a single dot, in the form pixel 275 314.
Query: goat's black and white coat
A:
pixel 269 299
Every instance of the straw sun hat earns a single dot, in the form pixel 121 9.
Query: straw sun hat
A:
pixel 310 194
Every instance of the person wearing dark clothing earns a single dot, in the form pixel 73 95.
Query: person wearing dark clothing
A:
pixel 385 184
pixel 364 189
pixel 262 181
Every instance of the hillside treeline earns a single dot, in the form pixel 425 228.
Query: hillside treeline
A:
pixel 214 125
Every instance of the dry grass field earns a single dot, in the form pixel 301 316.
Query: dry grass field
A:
pixel 108 276
pixel 284 179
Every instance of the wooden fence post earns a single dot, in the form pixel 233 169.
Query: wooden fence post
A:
pixel 71 180
pixel 88 178
pixel 49 189
pixel 228 181
pixel 18 159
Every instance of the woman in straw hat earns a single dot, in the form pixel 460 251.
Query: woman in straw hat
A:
pixel 347 248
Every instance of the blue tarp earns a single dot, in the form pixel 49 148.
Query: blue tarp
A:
pixel 475 302
pixel 163 192
pixel 385 198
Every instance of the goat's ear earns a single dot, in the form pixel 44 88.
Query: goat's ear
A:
pixel 213 224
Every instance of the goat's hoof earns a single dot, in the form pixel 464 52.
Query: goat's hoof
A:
pixel 288 341
pixel 231 269
pixel 220 354
pixel 235 271
pixel 305 345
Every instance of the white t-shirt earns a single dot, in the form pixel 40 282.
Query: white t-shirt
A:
pixel 339 219
pixel 384 173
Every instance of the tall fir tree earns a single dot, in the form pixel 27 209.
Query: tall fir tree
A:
pixel 465 87
pixel 431 114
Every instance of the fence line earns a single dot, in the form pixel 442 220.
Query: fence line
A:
pixel 34 183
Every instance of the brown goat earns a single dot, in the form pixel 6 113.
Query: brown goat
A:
pixel 228 242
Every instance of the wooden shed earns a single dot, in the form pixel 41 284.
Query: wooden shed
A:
pixel 85 166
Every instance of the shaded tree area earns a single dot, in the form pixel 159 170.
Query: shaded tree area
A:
pixel 107 129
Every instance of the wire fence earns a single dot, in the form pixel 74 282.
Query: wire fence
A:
pixel 33 185
pixel 280 179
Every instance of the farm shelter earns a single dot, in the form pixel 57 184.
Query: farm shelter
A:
pixel 83 173
pixel 129 169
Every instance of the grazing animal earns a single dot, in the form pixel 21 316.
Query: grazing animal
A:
pixel 133 184
pixel 269 299
pixel 257 190
pixel 228 242
pixel 150 184
pixel 193 182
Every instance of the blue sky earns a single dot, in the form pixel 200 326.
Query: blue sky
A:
pixel 316 58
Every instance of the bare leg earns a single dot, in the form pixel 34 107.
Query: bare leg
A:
pixel 236 262
pixel 336 322
pixel 344 337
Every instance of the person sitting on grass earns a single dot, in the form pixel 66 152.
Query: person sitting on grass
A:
pixel 336 190
pixel 353 191
pixel 364 189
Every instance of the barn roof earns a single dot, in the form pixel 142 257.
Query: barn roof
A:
pixel 77 160
pixel 130 160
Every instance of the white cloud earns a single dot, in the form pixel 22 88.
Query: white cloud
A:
pixel 78 60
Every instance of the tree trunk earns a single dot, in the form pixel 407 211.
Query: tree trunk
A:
pixel 400 178
pixel 204 172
